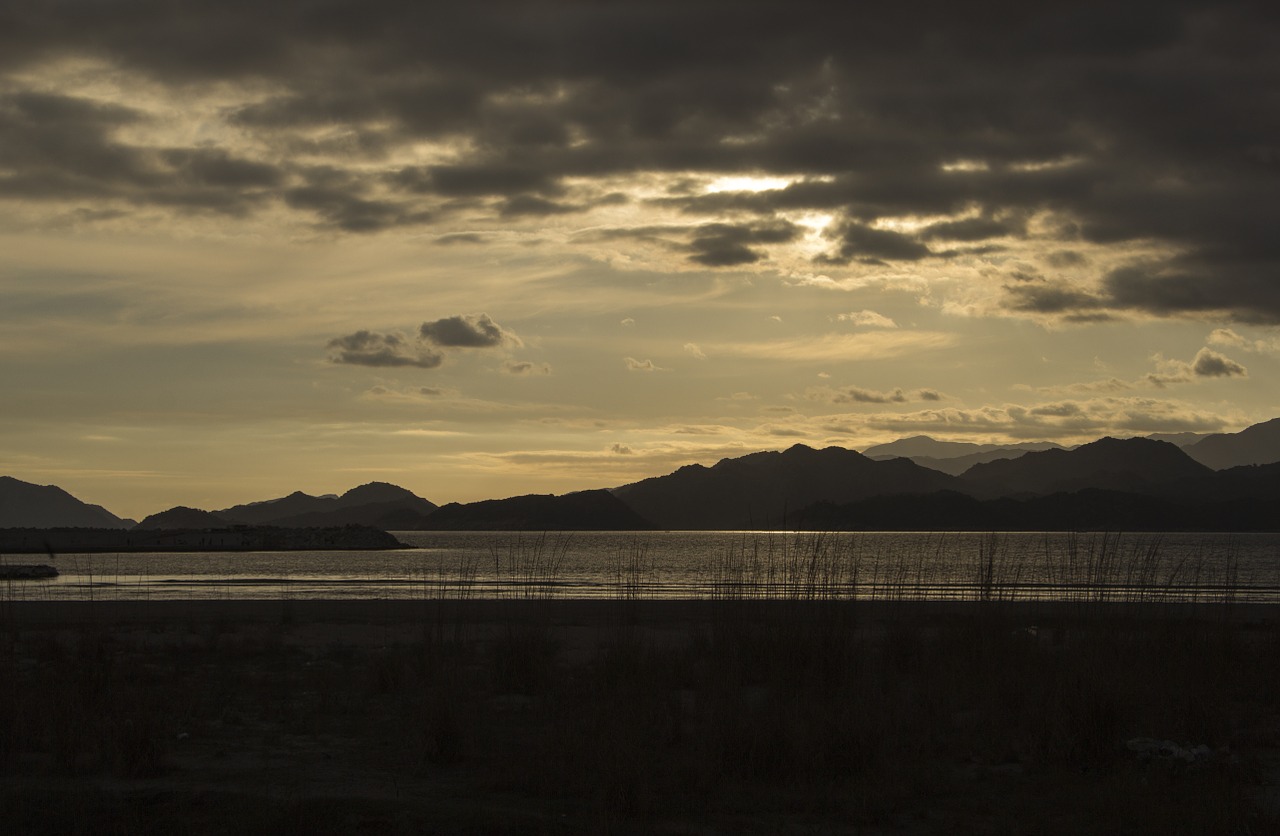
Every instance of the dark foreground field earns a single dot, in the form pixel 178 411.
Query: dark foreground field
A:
pixel 638 717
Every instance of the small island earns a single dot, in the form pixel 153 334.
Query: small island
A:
pixel 239 538
pixel 27 572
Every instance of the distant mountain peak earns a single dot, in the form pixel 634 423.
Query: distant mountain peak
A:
pixel 576 511
pixel 1257 444
pixel 369 504
pixel 27 505
pixel 759 489
pixel 1124 464
pixel 181 517
pixel 923 446
pixel 376 492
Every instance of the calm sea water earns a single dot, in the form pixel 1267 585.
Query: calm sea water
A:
pixel 723 564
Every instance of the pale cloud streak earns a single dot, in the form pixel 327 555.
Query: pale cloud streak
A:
pixel 839 347
pixel 1066 421
pixel 634 365
pixel 867 319
pixel 1229 338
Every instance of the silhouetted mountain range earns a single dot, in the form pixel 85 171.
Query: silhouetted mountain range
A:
pixel 364 505
pixel 24 505
pixel 760 489
pixel 582 511
pixel 182 517
pixel 1180 439
pixel 1137 465
pixel 952 457
pixel 959 464
pixel 392 508
pixel 923 445
pixel 1259 444
pixel 1110 483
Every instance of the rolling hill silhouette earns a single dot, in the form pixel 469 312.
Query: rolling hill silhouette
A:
pixel 24 505
pixel 959 464
pixel 1134 482
pixel 1135 465
pixel 597 510
pixel 1258 444
pixel 365 505
pixel 182 517
pixel 928 447
pixel 760 489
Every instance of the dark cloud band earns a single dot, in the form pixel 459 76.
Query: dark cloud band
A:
pixel 1140 124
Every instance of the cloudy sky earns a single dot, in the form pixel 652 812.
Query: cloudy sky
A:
pixel 496 248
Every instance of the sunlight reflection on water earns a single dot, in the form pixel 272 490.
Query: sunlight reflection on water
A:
pixel 736 564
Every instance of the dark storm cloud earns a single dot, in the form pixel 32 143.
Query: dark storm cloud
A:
pixel 1144 122
pixel 475 180
pixel 350 213
pixel 1209 363
pixel 1249 291
pixel 371 348
pixel 972 229
pixel 1050 298
pixel 427 108
pixel 64 144
pixel 62 147
pixel 725 245
pixel 213 167
pixel 467 331
pixel 867 244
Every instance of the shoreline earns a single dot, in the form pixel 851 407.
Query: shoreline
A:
pixel 581 611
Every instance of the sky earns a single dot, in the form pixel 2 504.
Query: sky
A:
pixel 488 249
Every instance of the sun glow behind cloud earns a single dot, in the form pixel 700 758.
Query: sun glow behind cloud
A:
pixel 749 183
